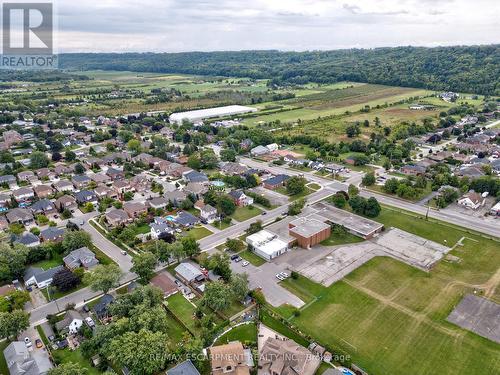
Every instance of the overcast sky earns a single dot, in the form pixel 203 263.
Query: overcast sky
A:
pixel 210 25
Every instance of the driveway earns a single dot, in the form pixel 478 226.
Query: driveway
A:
pixel 264 277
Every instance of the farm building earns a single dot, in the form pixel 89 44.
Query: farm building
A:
pixel 200 114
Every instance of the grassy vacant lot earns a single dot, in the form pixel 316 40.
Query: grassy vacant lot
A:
pixel 199 232
pixel 3 364
pixel 390 317
pixel 252 258
pixel 183 310
pixel 75 356
pixel 245 213
pixel 341 238
pixel 243 333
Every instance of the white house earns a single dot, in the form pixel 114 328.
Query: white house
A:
pixel 72 322
pixel 39 277
pixel 472 200
pixel 267 245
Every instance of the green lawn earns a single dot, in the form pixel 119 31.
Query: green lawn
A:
pixel 175 329
pixel 75 356
pixel 199 232
pixel 56 294
pixel 49 263
pixel 43 337
pixel 314 186
pixel 141 229
pixel 220 225
pixel 246 333
pixel 245 213
pixel 252 258
pixel 303 288
pixel 341 238
pixel 183 310
pixel 281 328
pixel 305 193
pixel 3 364
pixel 322 368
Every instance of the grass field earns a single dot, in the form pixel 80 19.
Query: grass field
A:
pixel 75 356
pixel 183 310
pixel 390 317
pixel 340 239
pixel 246 333
pixel 252 258
pixel 3 364
pixel 245 213
pixel 199 232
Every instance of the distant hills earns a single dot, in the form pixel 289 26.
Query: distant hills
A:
pixel 474 69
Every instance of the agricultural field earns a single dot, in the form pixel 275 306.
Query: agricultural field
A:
pixel 391 318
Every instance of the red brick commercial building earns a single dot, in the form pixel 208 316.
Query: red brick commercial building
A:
pixel 308 231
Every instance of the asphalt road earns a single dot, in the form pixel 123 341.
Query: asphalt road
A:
pixel 456 218
pixel 82 295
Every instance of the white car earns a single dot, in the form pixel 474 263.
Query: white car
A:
pixel 28 342
pixel 245 263
pixel 284 275
pixel 280 277
pixel 90 322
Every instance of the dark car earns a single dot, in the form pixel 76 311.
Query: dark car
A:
pixel 234 256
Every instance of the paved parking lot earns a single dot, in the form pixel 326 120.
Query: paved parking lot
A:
pixel 264 277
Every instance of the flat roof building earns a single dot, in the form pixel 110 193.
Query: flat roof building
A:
pixel 266 244
pixel 200 114
pixel 355 224
pixel 309 231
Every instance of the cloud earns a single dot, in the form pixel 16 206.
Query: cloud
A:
pixel 186 25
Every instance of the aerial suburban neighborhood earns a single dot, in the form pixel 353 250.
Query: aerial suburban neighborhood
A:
pixel 253 212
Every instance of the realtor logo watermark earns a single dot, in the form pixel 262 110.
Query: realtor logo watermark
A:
pixel 28 36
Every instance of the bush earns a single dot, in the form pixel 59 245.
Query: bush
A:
pixel 294 275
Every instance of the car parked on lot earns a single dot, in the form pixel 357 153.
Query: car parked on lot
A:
pixel 90 322
pixel 280 277
pixel 284 275
pixel 38 343
pixel 27 342
pixel 245 263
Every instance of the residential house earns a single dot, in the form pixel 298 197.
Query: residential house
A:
pixel 28 239
pixel 116 217
pixel 52 234
pixel 45 173
pixel 43 191
pixel 259 151
pixel 23 194
pixel 81 181
pixel 140 184
pixel 158 203
pixel 20 215
pixel 61 169
pixel 43 207
pixel 115 174
pixel 208 214
pixel 101 309
pixel 160 228
pixel 413 170
pixel 186 220
pixel 472 200
pixel 240 198
pixel 122 186
pixel 196 189
pixel 21 361
pixel 246 144
pixel 66 202
pixel 8 179
pixel 194 177
pixel 165 283
pixel 4 202
pixel 85 196
pixel 71 323
pixel 39 277
pixel 281 356
pixel 230 359
pixel 189 273
pixel 276 181
pixel 105 192
pixel 184 368
pixel 63 186
pixel 134 209
pixel 176 197
pixel 26 176
pixel 100 178
pixel 4 224
pixel 11 137
pixel 232 169
pixel 81 257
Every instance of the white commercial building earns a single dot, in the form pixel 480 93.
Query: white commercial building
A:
pixel 267 245
pixel 200 114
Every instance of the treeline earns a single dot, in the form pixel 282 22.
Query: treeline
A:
pixel 473 69
pixel 38 76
